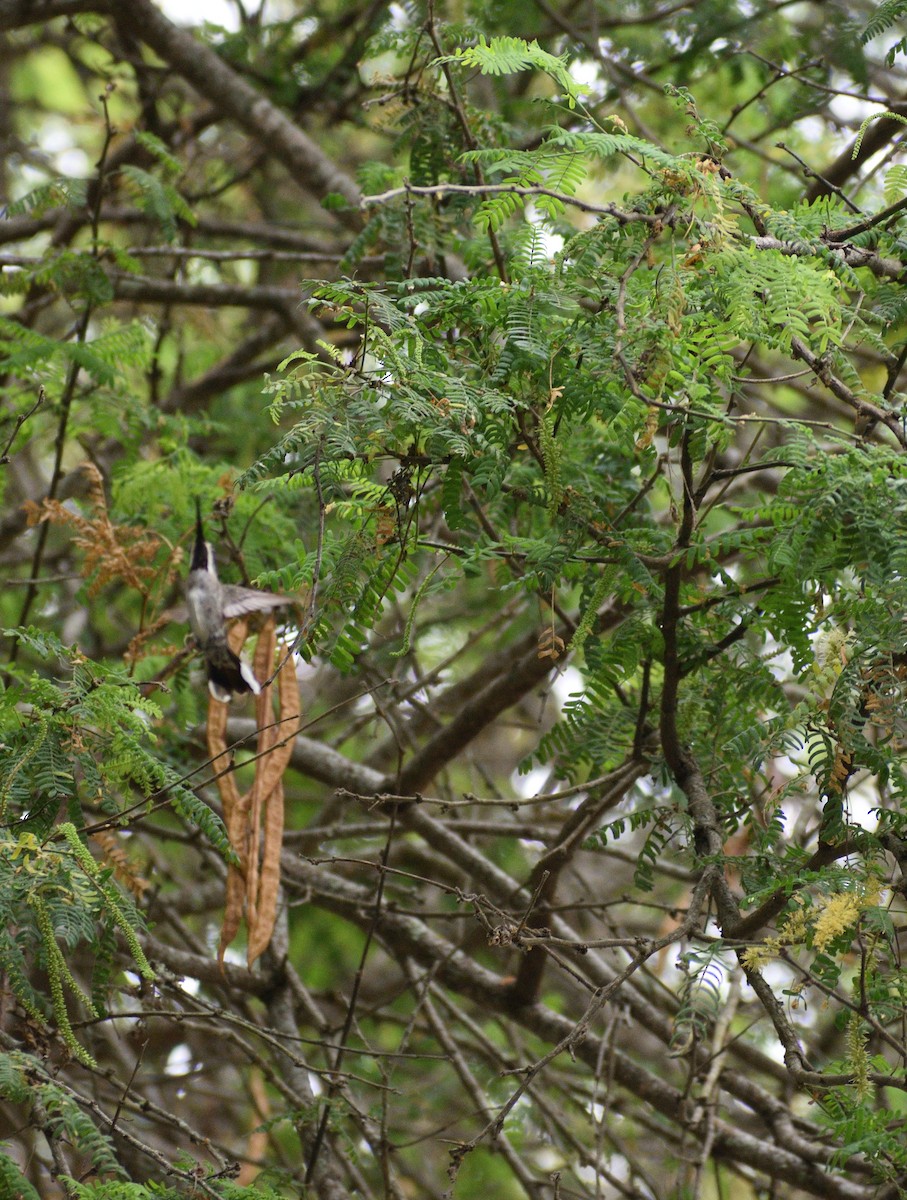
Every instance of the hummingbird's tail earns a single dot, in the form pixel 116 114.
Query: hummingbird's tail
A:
pixel 227 673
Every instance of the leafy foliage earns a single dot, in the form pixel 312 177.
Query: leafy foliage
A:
pixel 576 448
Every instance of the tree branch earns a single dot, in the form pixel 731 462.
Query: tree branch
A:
pixel 304 160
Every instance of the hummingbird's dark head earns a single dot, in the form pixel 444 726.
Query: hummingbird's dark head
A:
pixel 202 554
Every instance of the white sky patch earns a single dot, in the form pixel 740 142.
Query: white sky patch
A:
pixel 218 12
pixel 673 38
pixel 813 131
pixel 860 802
pixel 587 73
pixel 69 160
pixel 527 786
pixel 617 1166
pixel 232 955
pixel 548 1159
pixel 567 683
pixel 553 243
pixel 179 1061
pixel 439 643
pixel 849 108
pixel 400 19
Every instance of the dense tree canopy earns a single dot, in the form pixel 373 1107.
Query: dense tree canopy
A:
pixel 550 359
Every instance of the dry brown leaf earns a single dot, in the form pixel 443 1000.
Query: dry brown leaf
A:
pixel 278 760
pixel 551 645
pixel 112 552
pixel 258 1137
pixel 136 648
pixel 255 821
pixel 258 793
pixel 651 428
pixel 125 871
pixel 232 803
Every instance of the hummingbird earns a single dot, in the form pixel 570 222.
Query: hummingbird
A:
pixel 211 604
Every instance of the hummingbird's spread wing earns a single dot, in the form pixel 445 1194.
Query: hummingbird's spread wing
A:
pixel 239 601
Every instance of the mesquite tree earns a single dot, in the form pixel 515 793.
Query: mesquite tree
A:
pixel 550 360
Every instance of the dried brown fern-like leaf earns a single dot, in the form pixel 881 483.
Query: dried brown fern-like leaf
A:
pixel 112 552
pixel 136 648
pixel 125 871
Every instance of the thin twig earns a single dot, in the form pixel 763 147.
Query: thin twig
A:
pixel 20 421
pixel 354 996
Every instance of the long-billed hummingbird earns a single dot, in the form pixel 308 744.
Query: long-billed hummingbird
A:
pixel 211 604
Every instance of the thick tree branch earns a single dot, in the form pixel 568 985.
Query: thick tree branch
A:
pixel 847 165
pixel 303 158
pixel 473 718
